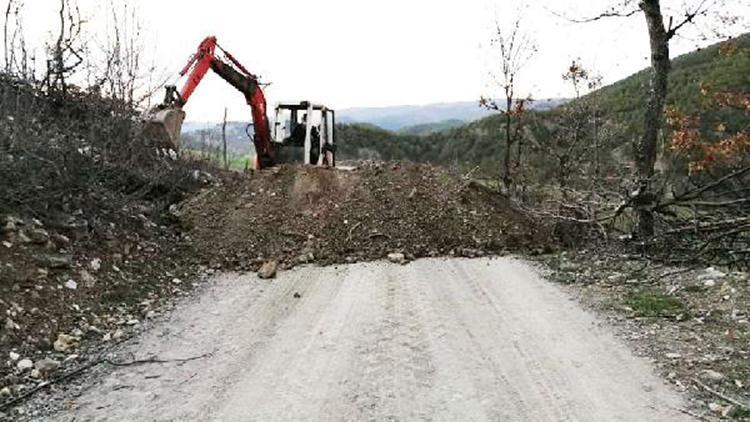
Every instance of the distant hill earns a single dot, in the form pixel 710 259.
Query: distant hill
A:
pixel 430 128
pixel 624 100
pixel 399 117
pixel 407 120
pixel 622 105
pixel 200 135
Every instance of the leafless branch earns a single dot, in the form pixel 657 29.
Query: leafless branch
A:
pixel 624 9
pixel 722 395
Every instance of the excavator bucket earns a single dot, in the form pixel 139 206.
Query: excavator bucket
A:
pixel 163 126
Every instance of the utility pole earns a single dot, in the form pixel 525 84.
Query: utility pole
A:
pixel 224 139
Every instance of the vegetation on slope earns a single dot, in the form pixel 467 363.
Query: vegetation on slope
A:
pixel 624 100
pixel 620 104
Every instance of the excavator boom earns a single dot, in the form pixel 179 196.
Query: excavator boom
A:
pixel 165 123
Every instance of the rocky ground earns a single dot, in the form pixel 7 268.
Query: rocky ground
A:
pixel 72 286
pixel 692 322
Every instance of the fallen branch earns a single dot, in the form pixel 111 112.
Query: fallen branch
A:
pixel 691 195
pixel 468 175
pixel 351 231
pixel 46 384
pixel 675 272
pixel 684 411
pixel 152 360
pixel 722 395
pixel 82 368
pixel 293 234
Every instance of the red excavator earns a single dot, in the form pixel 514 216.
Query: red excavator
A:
pixel 307 128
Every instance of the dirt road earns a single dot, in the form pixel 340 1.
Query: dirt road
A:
pixel 444 340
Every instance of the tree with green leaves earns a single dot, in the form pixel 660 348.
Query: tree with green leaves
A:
pixel 665 19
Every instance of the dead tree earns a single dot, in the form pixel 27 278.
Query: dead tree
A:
pixel 66 54
pixel 17 59
pixel 567 137
pixel 516 49
pixel 119 66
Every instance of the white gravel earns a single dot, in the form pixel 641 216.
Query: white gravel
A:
pixel 445 340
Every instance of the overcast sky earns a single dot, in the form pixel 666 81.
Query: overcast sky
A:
pixel 347 53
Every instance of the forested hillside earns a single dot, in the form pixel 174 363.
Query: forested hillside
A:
pixel 618 107
pixel 625 99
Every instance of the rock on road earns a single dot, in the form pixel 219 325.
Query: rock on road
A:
pixel 438 339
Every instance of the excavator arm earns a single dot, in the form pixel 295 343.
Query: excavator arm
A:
pixel 240 78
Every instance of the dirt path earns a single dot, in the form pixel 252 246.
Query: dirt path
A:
pixel 433 340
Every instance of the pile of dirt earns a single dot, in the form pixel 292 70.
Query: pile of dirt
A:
pixel 296 215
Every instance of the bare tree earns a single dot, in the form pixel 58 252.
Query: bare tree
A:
pixel 516 49
pixel 17 59
pixel 66 54
pixel 121 69
pixel 568 136
pixel 661 34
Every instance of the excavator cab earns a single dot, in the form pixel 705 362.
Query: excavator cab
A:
pixel 305 132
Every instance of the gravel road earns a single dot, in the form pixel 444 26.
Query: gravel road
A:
pixel 438 339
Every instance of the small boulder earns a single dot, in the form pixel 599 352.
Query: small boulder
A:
pixel 9 227
pixel 60 240
pixel 66 343
pixel 719 409
pixel 47 365
pixel 87 279
pixel 306 258
pixel 710 375
pixel 711 273
pixel 38 236
pixel 268 270
pixel 23 238
pixel 25 364
pixel 71 285
pixel 11 325
pixel 14 356
pixel 57 262
pixel 397 258
pixel 78 228
pixel 469 252
pixel 95 264
pixel 6 392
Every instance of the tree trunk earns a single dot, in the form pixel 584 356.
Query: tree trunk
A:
pixel 645 147
pixel 59 54
pixel 507 180
pixel 520 184
pixel 224 139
